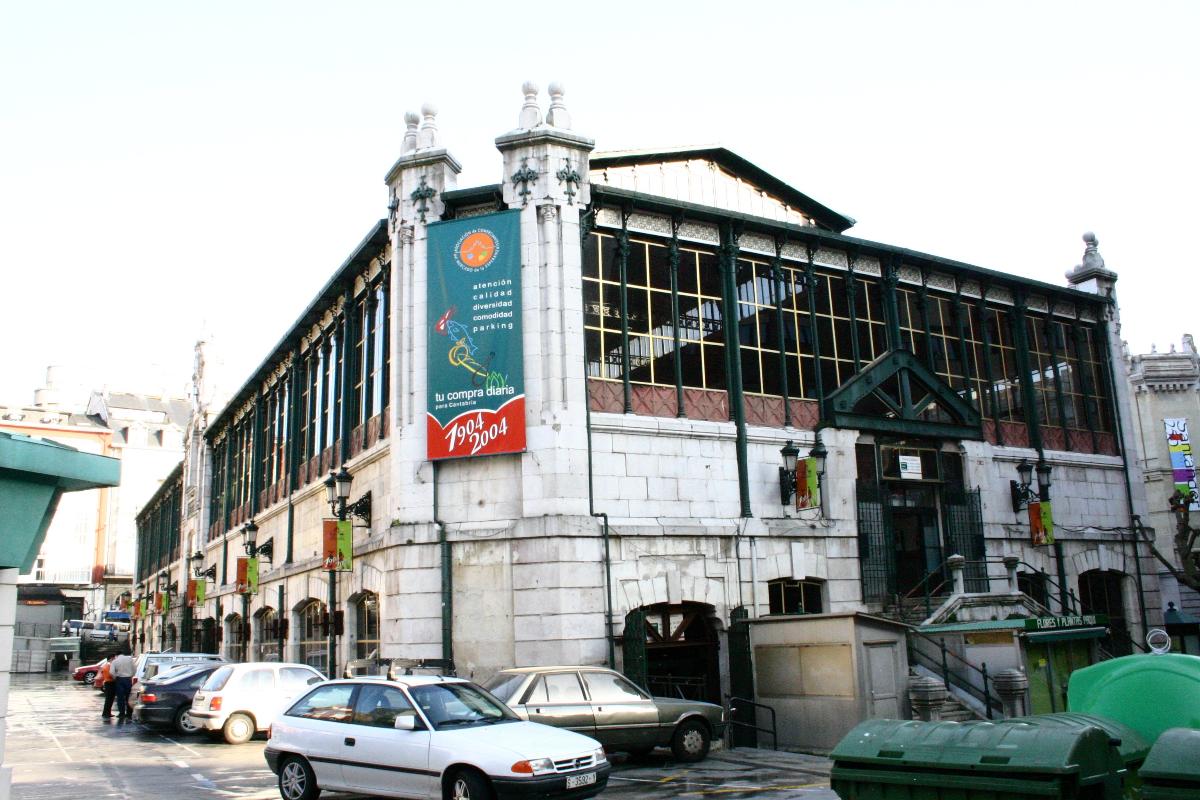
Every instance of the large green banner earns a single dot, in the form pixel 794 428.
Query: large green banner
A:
pixel 476 392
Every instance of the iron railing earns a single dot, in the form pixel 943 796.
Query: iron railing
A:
pixel 965 676
pixel 735 704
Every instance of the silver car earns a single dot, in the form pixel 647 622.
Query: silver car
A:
pixel 607 706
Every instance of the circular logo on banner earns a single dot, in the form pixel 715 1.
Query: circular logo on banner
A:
pixel 476 249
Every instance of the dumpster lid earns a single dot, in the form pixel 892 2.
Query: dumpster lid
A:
pixel 1013 746
pixel 1132 747
pixel 1175 756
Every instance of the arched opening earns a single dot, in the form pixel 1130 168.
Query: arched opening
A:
pixel 235 638
pixel 680 648
pixel 311 629
pixel 172 637
pixel 266 634
pixel 366 626
pixel 1101 591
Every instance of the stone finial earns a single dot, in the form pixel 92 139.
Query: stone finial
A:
pixel 1091 252
pixel 411 120
pixel 531 112
pixel 558 117
pixel 1189 344
pixel 428 134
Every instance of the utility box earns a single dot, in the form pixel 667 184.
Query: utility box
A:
pixel 883 759
pixel 1172 770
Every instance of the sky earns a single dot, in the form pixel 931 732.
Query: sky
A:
pixel 179 171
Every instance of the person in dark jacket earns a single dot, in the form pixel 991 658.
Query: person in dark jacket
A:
pixel 108 684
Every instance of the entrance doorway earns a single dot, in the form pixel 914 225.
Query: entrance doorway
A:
pixel 917 538
pixel 681 650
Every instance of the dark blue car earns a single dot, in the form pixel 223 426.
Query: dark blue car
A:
pixel 166 699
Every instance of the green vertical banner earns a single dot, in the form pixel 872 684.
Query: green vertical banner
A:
pixel 345 545
pixel 201 590
pixel 166 603
pixel 251 576
pixel 475 358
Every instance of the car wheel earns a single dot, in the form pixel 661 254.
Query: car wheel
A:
pixel 89 678
pixel 691 741
pixel 183 721
pixel 467 785
pixel 238 729
pixel 297 781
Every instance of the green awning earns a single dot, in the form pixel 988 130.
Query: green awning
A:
pixel 1067 635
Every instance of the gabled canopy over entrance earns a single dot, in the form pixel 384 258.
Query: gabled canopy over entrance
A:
pixel 897 394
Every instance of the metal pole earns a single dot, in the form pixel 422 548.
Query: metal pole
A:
pixel 331 655
pixel 987 695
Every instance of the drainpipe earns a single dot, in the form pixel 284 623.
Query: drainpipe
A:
pixel 1135 520
pixel 753 578
pixel 447 580
pixel 586 222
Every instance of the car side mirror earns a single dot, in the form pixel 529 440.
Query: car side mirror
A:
pixel 406 722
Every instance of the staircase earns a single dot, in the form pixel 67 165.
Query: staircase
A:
pixel 911 610
pixel 954 710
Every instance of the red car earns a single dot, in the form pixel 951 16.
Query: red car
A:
pixel 88 673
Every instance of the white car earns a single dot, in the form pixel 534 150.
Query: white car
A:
pixel 423 736
pixel 241 699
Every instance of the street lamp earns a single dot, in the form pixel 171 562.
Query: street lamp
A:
pixel 787 473
pixel 198 566
pixel 1022 493
pixel 250 542
pixel 337 493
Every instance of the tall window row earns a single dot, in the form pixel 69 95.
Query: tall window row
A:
pixel 324 407
pixel 158 528
pixel 667 323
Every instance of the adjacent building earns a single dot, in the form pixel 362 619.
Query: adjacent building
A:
pixel 603 409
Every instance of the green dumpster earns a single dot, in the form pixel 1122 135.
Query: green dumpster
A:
pixel 1131 747
pixel 1172 770
pixel 884 759
pixel 1149 693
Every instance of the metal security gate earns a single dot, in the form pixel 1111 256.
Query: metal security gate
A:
pixel 876 550
pixel 741 681
pixel 964 533
pixel 633 647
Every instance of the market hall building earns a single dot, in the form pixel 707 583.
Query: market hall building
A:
pixel 566 410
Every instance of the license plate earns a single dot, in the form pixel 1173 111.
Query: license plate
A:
pixel 575 781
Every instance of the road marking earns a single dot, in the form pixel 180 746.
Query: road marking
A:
pixel 733 789
pixel 180 744
pixel 58 744
pixel 670 778
pixel 197 776
pixel 181 764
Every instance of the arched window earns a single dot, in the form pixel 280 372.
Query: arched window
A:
pixel 1100 592
pixel 266 634
pixel 235 638
pixel 312 629
pixel 791 596
pixel 366 626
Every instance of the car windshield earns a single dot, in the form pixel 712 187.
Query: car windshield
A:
pixel 504 684
pixel 450 705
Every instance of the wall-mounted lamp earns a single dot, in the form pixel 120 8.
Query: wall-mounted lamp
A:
pixel 1022 490
pixel 337 491
pixel 198 566
pixel 787 473
pixel 250 542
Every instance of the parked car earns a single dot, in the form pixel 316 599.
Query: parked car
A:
pixel 166 699
pixel 425 736
pixel 240 699
pixel 102 632
pixel 71 627
pixel 149 665
pixel 87 673
pixel 605 704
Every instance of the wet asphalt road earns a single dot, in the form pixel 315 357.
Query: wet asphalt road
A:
pixel 60 749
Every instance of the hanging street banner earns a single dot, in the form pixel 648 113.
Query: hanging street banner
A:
pixel 201 590
pixel 142 608
pixel 135 611
pixel 191 593
pixel 166 603
pixel 337 545
pixel 1183 464
pixel 1041 523
pixel 808 493
pixel 247 576
pixel 475 359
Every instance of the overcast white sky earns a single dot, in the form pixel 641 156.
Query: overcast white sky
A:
pixel 176 170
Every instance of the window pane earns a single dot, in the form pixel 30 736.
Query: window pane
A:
pixel 328 703
pixel 605 687
pixel 378 706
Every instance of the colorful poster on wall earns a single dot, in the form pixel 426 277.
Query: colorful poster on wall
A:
pixel 808 490
pixel 475 358
pixel 1041 523
pixel 1183 464
pixel 338 545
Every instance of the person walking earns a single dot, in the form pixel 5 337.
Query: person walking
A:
pixel 122 671
pixel 106 683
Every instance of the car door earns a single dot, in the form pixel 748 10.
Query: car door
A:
pixel 624 715
pixel 557 698
pixel 320 724
pixel 380 759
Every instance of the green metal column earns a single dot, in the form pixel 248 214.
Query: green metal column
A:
pixel 1021 348
pixel 346 378
pixel 810 286
pixel 733 358
pixel 985 318
pixel 623 267
pixel 852 300
pixel 777 279
pixel 676 355
pixel 1051 330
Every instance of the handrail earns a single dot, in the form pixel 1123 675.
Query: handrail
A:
pixel 990 702
pixel 742 701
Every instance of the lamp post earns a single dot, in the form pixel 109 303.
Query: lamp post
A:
pixel 337 493
pixel 787 473
pixel 1023 493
